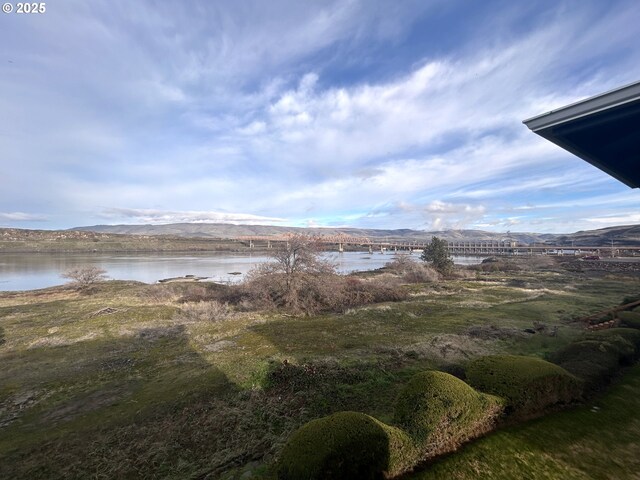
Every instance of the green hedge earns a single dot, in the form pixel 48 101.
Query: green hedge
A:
pixel 528 384
pixel 441 410
pixel 631 319
pixel 597 357
pixel 630 334
pixel 593 361
pixel 625 340
pixel 435 413
pixel 630 299
pixel 346 445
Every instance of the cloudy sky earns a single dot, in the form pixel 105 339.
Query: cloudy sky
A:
pixel 380 114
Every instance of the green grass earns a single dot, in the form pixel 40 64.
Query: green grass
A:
pixel 142 392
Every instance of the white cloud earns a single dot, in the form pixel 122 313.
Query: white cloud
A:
pixel 630 218
pixel 163 216
pixel 22 217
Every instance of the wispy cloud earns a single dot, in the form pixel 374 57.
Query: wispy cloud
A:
pixel 611 220
pixel 163 216
pixel 22 217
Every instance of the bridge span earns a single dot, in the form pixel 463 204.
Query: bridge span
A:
pixel 464 248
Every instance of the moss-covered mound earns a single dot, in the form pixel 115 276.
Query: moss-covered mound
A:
pixel 630 319
pixel 626 342
pixel 593 361
pixel 629 334
pixel 528 384
pixel 630 299
pixel 441 411
pixel 597 357
pixel 346 445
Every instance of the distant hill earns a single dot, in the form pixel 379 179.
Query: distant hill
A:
pixel 625 234
pixel 620 235
pixel 220 237
pixel 223 230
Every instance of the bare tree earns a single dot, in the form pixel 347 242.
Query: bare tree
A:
pixel 299 256
pixel 297 279
pixel 83 277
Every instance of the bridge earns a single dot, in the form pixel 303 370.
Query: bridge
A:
pixel 465 248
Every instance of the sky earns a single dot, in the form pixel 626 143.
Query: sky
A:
pixel 372 114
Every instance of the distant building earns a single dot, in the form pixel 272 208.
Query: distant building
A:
pixel 603 130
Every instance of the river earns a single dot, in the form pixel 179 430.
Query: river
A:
pixel 32 271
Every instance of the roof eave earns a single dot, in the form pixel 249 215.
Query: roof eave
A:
pixel 591 105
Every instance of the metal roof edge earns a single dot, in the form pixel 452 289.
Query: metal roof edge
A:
pixel 625 94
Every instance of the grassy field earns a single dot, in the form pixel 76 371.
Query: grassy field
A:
pixel 123 382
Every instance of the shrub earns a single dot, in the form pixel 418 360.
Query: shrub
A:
pixel 400 263
pixel 441 411
pixel 319 292
pixel 345 445
pixel 626 341
pixel 310 294
pixel 630 334
pixel 297 279
pixel 159 293
pixel 361 292
pixel 630 299
pixel 494 264
pixel 208 291
pixel 84 277
pixel 412 271
pixel 630 319
pixel 597 357
pixel 589 361
pixel 528 384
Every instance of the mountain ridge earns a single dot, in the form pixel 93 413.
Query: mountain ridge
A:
pixel 623 234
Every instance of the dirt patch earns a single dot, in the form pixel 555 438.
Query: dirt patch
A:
pixel 12 407
pixel 450 348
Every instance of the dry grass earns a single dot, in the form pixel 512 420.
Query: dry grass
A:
pixel 212 311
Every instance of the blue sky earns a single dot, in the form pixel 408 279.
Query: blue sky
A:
pixel 376 114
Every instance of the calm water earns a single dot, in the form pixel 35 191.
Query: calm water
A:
pixel 31 271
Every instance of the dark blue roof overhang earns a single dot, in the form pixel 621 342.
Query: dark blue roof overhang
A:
pixel 603 130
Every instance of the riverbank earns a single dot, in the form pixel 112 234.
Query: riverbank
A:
pixel 135 380
pixel 13 240
pixel 41 270
pixel 45 241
